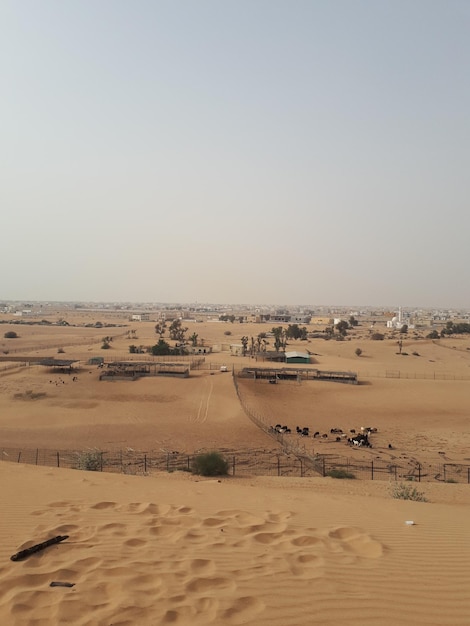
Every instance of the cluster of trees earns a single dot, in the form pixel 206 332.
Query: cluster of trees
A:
pixel 161 348
pixel 231 318
pixel 295 332
pixel 461 328
pixel 341 328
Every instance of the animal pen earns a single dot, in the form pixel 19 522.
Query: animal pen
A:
pixel 273 375
pixel 132 370
pixel 59 365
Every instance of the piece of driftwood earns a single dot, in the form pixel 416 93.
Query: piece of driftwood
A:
pixel 23 554
pixel 56 583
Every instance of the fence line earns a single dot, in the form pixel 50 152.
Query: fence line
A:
pixel 398 374
pixel 324 465
pixel 241 463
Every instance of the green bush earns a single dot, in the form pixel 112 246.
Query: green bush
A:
pixel 340 473
pixel 91 460
pixel 210 464
pixel 402 491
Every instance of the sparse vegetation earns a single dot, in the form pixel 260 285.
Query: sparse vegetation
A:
pixel 340 473
pixel 161 348
pixel 404 491
pixel 209 464
pixel 90 460
pixel 29 395
pixel 358 352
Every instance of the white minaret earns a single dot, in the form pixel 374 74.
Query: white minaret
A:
pixel 399 315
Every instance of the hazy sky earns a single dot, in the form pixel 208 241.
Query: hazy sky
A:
pixel 255 151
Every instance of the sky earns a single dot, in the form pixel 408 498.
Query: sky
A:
pixel 238 151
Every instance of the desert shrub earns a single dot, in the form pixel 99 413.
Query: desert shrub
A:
pixel 340 473
pixel 377 337
pixel 11 335
pixel 403 491
pixel 105 345
pixel 60 351
pixel 228 332
pixel 29 395
pixel 90 460
pixel 358 352
pixel 210 464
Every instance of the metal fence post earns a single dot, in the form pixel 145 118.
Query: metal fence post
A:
pixel 101 461
pixel 58 460
pixel 278 465
pixel 37 454
pixel 419 472
pixel 372 470
pixel 233 466
pixel 323 467
pixel 145 463
pixel 19 456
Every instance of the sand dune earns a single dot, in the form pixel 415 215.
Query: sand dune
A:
pixel 175 549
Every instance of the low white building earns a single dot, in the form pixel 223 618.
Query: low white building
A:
pixel 140 317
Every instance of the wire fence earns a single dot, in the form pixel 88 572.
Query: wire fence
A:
pixel 399 374
pixel 326 465
pixel 240 463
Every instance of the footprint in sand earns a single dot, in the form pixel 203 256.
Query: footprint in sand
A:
pixel 243 610
pixel 307 541
pixel 202 567
pixel 100 506
pixel 214 522
pixel 355 541
pixel 210 584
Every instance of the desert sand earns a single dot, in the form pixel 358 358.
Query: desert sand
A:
pixel 177 549
pixel 180 549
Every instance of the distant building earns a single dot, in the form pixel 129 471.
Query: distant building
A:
pixel 236 349
pixel 281 318
pixel 297 357
pixel 301 319
pixel 398 322
pixel 200 349
pixel 140 317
